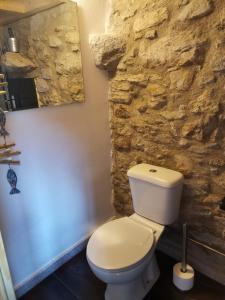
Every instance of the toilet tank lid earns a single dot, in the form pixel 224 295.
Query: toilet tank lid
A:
pixel 156 175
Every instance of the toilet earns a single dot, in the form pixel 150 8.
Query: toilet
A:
pixel 122 252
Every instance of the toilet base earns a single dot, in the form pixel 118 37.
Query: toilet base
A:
pixel 137 289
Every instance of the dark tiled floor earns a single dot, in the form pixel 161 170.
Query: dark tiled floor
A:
pixel 75 281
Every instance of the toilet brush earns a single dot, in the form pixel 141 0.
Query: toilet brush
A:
pixel 183 274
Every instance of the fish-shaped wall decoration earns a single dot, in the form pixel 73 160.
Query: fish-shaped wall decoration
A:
pixel 3 131
pixel 12 179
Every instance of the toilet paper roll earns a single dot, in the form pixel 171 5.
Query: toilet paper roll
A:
pixel 184 281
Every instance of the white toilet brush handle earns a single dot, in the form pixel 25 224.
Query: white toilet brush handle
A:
pixel 184 249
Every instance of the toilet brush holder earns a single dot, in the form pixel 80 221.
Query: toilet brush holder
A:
pixel 183 274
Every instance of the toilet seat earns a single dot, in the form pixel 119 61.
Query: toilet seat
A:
pixel 119 244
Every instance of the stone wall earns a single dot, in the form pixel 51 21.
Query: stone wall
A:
pixel 50 39
pixel 166 62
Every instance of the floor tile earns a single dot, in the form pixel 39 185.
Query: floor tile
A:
pixel 77 276
pixel 75 281
pixel 49 289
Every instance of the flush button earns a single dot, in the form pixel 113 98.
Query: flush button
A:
pixel 153 170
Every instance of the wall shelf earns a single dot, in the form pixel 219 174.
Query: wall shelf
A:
pixel 13 10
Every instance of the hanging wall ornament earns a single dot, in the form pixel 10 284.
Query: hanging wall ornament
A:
pixel 12 179
pixel 6 155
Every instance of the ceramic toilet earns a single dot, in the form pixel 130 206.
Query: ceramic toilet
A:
pixel 121 252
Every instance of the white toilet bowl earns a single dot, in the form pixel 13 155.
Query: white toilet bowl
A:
pixel 121 253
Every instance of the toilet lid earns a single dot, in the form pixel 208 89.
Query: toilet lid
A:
pixel 119 244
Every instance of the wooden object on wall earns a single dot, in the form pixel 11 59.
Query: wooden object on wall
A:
pixel 6 154
pixel 7 146
pixel 13 10
pixel 9 162
pixel 6 286
pixel 9 153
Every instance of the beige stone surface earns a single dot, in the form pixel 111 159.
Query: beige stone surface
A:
pixel 181 79
pixel 107 49
pixel 167 104
pixel 196 9
pixel 17 63
pixel 150 19
pixel 50 42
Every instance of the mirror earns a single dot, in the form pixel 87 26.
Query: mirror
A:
pixel 41 60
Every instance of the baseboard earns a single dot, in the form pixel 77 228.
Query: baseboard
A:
pixel 204 259
pixel 28 283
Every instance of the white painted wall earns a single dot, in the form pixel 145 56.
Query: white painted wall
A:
pixel 64 175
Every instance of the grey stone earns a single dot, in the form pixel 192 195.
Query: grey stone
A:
pixel 196 9
pixel 142 108
pixel 192 127
pixel 108 49
pixel 184 164
pixel 15 62
pixel 195 55
pixel 206 78
pixel 121 97
pixel 173 115
pixel 206 102
pixel 68 63
pixel 157 102
pixel 122 113
pixel 150 19
pixel 123 143
pixel 219 65
pixel 183 2
pixel 199 129
pixel 169 48
pixel 54 42
pixel 182 79
pixel 47 73
pixel 137 79
pixel 156 89
pixel 41 85
pixel 72 37
pixel 151 34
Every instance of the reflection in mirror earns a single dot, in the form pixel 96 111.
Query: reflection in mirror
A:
pixel 41 60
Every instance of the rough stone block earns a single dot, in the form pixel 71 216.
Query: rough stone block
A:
pixel 151 34
pixel 42 85
pixel 173 115
pixel 206 102
pixel 15 62
pixel 156 89
pixel 157 102
pixel 182 79
pixel 196 9
pixel 108 49
pixel 219 65
pixel 150 18
pixel 121 97
pixel 169 48
pixel 54 42
pixel 184 164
